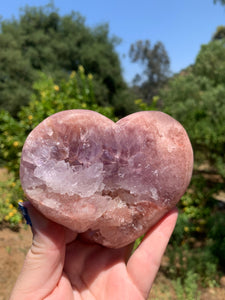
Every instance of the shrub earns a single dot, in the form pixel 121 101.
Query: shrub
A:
pixel 188 290
pixel 216 233
pixel 11 193
pixel 195 97
pixel 12 136
pixel 76 93
pixel 200 261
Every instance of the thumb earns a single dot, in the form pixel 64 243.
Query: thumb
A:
pixel 44 262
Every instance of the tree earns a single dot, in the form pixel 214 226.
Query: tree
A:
pixel 219 34
pixel 44 40
pixel 16 74
pixel 156 67
pixel 195 97
pixel 221 1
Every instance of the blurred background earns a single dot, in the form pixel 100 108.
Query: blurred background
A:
pixel 117 58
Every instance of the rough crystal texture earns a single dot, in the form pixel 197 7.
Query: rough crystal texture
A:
pixel 108 181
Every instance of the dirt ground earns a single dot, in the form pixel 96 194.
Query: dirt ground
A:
pixel 14 246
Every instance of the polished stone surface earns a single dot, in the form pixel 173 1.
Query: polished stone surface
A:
pixel 109 181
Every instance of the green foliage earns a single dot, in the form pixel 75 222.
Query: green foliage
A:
pixel 210 64
pixel 16 74
pixel 196 207
pixel 11 193
pixel 195 97
pixel 42 39
pixel 193 259
pixel 143 106
pixel 216 233
pixel 12 137
pixel 75 93
pixel 124 103
pixel 137 242
pixel 197 244
pixel 189 289
pixel 220 1
pixel 196 249
pixel 219 34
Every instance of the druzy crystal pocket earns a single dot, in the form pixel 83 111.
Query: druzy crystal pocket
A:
pixel 108 181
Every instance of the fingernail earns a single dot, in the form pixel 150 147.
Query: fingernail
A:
pixel 24 212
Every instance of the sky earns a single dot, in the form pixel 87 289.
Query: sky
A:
pixel 181 25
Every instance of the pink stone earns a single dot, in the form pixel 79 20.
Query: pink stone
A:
pixel 108 181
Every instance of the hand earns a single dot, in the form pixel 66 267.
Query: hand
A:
pixel 59 266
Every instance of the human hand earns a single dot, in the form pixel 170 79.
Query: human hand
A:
pixel 61 266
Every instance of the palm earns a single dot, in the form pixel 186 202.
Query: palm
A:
pixel 61 266
pixel 95 272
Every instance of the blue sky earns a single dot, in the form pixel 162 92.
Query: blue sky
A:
pixel 182 25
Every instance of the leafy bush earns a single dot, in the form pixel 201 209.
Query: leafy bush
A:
pixel 216 234
pixel 12 137
pixel 195 97
pixel 41 39
pixel 11 193
pixel 195 212
pixel 194 259
pixel 188 290
pixel 76 93
pixel 198 241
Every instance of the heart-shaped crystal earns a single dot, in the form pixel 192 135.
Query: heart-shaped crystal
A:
pixel 109 181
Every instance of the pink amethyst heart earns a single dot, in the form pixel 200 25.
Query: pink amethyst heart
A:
pixel 108 181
